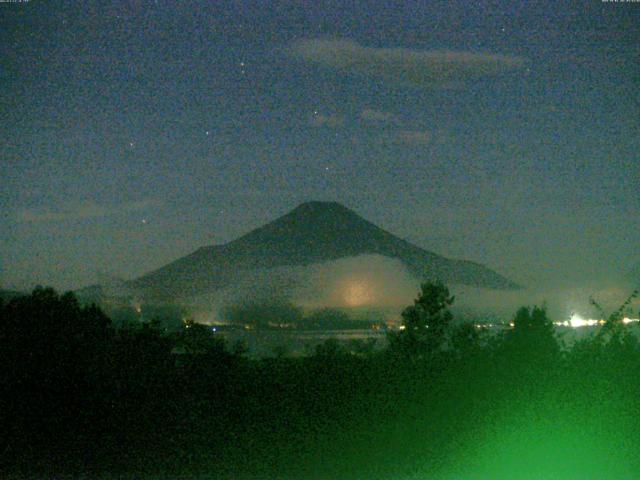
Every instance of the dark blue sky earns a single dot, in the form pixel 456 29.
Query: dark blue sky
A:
pixel 134 132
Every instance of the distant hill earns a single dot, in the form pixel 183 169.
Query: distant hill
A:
pixel 313 232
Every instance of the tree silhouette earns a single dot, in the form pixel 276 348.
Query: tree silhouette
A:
pixel 425 324
pixel 52 352
pixel 532 340
pixel 614 327
pixel 466 340
pixel 198 339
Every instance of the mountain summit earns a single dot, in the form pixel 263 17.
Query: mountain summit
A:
pixel 313 232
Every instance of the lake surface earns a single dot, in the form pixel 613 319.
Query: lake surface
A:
pixel 263 343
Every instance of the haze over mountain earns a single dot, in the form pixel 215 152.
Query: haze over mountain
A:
pixel 312 233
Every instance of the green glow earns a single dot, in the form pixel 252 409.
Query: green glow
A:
pixel 533 441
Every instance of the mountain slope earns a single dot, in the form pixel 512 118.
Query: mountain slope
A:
pixel 311 233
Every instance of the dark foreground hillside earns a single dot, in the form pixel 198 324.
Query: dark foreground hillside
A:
pixel 80 399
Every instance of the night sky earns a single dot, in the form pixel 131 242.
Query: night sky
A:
pixel 134 132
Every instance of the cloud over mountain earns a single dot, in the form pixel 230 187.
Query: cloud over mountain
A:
pixel 313 233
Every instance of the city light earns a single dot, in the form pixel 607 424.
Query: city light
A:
pixel 576 321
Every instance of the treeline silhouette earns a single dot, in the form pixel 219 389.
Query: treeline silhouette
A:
pixel 443 400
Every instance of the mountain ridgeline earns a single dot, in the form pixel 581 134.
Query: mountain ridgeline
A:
pixel 312 233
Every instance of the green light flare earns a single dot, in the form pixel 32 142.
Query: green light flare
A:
pixel 543 439
pixel 528 444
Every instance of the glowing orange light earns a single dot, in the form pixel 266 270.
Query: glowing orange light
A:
pixel 357 293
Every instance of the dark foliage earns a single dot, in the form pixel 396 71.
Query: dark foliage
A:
pixel 425 324
pixel 532 340
pixel 81 398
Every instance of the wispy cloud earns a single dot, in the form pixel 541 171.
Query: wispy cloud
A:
pixel 422 67
pixel 415 137
pixel 379 116
pixel 320 120
pixel 81 211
